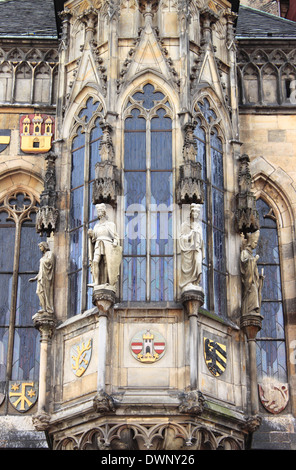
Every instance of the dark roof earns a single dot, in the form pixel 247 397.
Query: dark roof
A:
pixel 253 23
pixel 28 18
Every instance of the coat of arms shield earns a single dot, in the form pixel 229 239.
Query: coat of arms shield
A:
pixel 80 357
pixel 274 396
pixel 23 394
pixel 215 356
pixel 148 346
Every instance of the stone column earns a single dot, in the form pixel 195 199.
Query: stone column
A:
pixel 45 324
pixel 251 324
pixel 193 300
pixel 104 300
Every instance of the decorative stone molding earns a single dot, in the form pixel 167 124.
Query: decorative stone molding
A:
pixel 247 218
pixel 134 435
pixel 190 187
pixel 48 214
pixel 192 402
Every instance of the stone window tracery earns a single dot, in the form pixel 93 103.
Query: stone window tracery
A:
pixel 85 154
pixel 19 261
pixel 210 156
pixel 148 251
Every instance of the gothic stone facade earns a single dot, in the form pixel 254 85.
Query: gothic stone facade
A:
pixel 147 107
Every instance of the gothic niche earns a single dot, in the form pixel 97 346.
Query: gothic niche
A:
pixel 106 186
pixel 190 188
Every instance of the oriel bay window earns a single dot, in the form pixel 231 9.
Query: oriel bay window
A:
pixel 148 251
pixel 19 261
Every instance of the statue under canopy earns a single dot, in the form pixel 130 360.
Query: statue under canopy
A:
pixel 192 250
pixel 252 282
pixel 45 279
pixel 105 252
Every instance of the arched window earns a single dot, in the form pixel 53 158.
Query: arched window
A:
pixel 19 261
pixel 85 154
pixel 271 349
pixel 210 156
pixel 148 260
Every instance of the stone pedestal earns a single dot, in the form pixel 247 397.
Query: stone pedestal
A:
pixel 251 324
pixel 192 300
pixel 45 324
pixel 104 299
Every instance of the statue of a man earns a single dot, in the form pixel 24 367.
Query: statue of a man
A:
pixel 45 278
pixel 252 282
pixel 105 253
pixel 192 250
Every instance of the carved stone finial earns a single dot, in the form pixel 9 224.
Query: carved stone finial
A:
pixel 106 186
pixel 48 214
pixel 247 217
pixel 190 186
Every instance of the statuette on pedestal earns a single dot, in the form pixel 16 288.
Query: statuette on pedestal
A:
pixel 192 251
pixel 105 253
pixel 45 280
pixel 252 281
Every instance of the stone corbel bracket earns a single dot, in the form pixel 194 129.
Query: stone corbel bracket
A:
pixel 192 402
pixel 190 186
pixel 48 214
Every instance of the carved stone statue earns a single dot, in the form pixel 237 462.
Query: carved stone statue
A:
pixel 105 253
pixel 251 280
pixel 45 279
pixel 192 250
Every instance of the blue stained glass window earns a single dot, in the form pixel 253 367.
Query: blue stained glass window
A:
pixel 148 165
pixel 19 261
pixel 213 223
pixel 271 356
pixel 82 215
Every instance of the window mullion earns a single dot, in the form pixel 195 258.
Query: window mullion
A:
pixel 85 225
pixel 13 300
pixel 148 208
pixel 209 218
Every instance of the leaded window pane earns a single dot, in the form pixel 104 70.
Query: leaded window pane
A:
pixel 26 356
pixel 210 156
pixel 162 278
pixel 271 354
pixel 134 278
